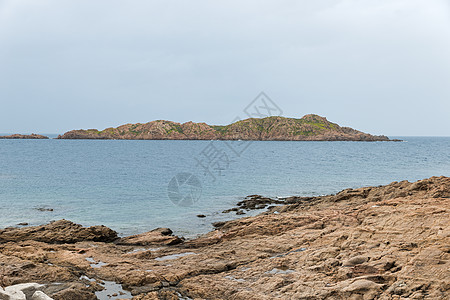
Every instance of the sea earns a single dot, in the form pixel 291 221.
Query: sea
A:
pixel 134 186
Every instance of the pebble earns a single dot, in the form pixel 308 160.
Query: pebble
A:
pixel 357 260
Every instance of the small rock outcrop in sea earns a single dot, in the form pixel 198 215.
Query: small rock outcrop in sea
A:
pixel 24 136
pixel 254 202
pixel 384 242
pixel 308 128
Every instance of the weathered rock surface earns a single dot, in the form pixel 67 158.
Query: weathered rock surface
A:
pixel 32 136
pixel 387 242
pixel 253 202
pixel 159 236
pixel 59 232
pixel 308 128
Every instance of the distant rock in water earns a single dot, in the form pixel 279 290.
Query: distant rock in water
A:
pixel 32 136
pixel 308 128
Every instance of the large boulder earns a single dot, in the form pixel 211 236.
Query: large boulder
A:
pixel 38 295
pixel 23 291
pixel 59 232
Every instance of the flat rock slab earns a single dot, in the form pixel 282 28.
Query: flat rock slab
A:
pixel 59 232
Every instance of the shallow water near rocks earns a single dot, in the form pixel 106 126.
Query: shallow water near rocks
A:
pixel 95 264
pixel 279 271
pixel 112 288
pixel 123 184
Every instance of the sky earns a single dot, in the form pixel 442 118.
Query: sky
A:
pixel 382 66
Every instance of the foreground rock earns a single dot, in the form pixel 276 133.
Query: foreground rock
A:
pixel 24 291
pixel 389 242
pixel 24 136
pixel 308 128
pixel 59 232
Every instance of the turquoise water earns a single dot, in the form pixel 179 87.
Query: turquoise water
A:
pixel 124 184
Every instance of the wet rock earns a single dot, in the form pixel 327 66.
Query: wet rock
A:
pixel 201 216
pixel 219 224
pixel 230 210
pixel 257 202
pixel 44 209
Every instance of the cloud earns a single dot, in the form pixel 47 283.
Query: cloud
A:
pixel 101 63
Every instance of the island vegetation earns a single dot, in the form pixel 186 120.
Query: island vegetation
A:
pixel 308 128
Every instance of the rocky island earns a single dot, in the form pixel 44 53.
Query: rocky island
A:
pixel 32 136
pixel 308 128
pixel 384 242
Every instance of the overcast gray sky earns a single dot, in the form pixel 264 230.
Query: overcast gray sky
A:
pixel 378 66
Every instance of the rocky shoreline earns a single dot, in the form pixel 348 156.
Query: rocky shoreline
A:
pixel 386 242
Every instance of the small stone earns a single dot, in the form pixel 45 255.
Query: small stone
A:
pixel 38 295
pixel 355 261
pixel 44 209
pixel 218 224
pixel 201 216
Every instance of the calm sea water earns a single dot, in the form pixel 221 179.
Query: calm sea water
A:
pixel 123 184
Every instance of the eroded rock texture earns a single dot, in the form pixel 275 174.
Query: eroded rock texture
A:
pixel 389 242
